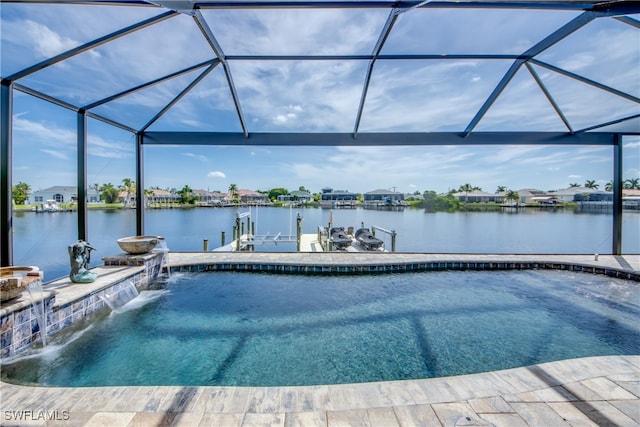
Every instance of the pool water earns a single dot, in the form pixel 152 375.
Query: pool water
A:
pixel 251 329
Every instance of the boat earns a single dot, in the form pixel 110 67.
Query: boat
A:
pixel 367 240
pixel 339 239
pixel 49 206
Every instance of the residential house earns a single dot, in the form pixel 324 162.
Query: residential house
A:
pixel 532 195
pixel 582 194
pixel 382 198
pixel 62 194
pixel 248 197
pixel 337 198
pixel 208 198
pixel 158 196
pixel 296 196
pixel 478 196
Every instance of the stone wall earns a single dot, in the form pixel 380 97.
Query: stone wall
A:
pixel 67 303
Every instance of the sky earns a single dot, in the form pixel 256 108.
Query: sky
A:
pixel 318 96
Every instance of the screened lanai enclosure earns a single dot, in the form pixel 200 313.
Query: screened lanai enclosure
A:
pixel 332 73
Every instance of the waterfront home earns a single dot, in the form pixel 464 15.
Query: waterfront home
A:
pixel 478 196
pixel 582 194
pixel 631 199
pixel 296 196
pixel 382 197
pixel 208 198
pixel 337 198
pixel 61 194
pixel 247 197
pixel 157 195
pixel 533 195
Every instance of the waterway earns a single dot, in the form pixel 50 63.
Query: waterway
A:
pixel 42 239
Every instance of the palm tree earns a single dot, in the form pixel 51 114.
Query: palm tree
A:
pixel 500 189
pixel 185 195
pixel 591 184
pixel 128 186
pixel 574 184
pixel 609 186
pixel 632 184
pixel 512 195
pixel 109 193
pixel 233 191
pixel 467 188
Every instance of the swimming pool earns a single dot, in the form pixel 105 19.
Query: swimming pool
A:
pixel 230 328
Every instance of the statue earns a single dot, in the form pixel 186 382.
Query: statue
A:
pixel 79 257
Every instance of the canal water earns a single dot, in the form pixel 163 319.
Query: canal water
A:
pixel 42 239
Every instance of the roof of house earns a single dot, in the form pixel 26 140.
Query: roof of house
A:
pixel 576 190
pixel 58 189
pixel 157 192
pixel 475 193
pixel 383 191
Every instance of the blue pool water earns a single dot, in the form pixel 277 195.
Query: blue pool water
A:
pixel 265 330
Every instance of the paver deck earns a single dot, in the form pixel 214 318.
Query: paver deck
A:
pixel 588 391
pixel 595 391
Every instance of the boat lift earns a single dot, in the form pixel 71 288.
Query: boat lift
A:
pixel 245 239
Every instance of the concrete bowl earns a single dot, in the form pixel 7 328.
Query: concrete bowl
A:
pixel 137 245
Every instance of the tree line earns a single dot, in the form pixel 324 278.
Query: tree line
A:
pixel 110 193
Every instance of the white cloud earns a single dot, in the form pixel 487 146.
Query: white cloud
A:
pixel 47 42
pixel 196 156
pixel 634 144
pixel 46 132
pixel 216 174
pixel 56 154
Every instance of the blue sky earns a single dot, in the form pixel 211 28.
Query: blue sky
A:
pixel 317 96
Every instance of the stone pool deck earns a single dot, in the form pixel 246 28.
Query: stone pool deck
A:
pixel 594 391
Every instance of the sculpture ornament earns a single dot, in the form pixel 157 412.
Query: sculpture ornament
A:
pixel 79 257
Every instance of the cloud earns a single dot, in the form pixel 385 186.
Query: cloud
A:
pixel 56 154
pixel 575 176
pixel 216 174
pixel 47 42
pixel 196 156
pixel 99 147
pixel 634 144
pixel 46 132
pixel 49 134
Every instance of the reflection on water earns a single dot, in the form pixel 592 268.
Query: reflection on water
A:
pixel 42 239
pixel 268 330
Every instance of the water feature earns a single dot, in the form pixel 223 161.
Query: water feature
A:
pixel 38 303
pixel 264 329
pixel 118 298
pixel 164 265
